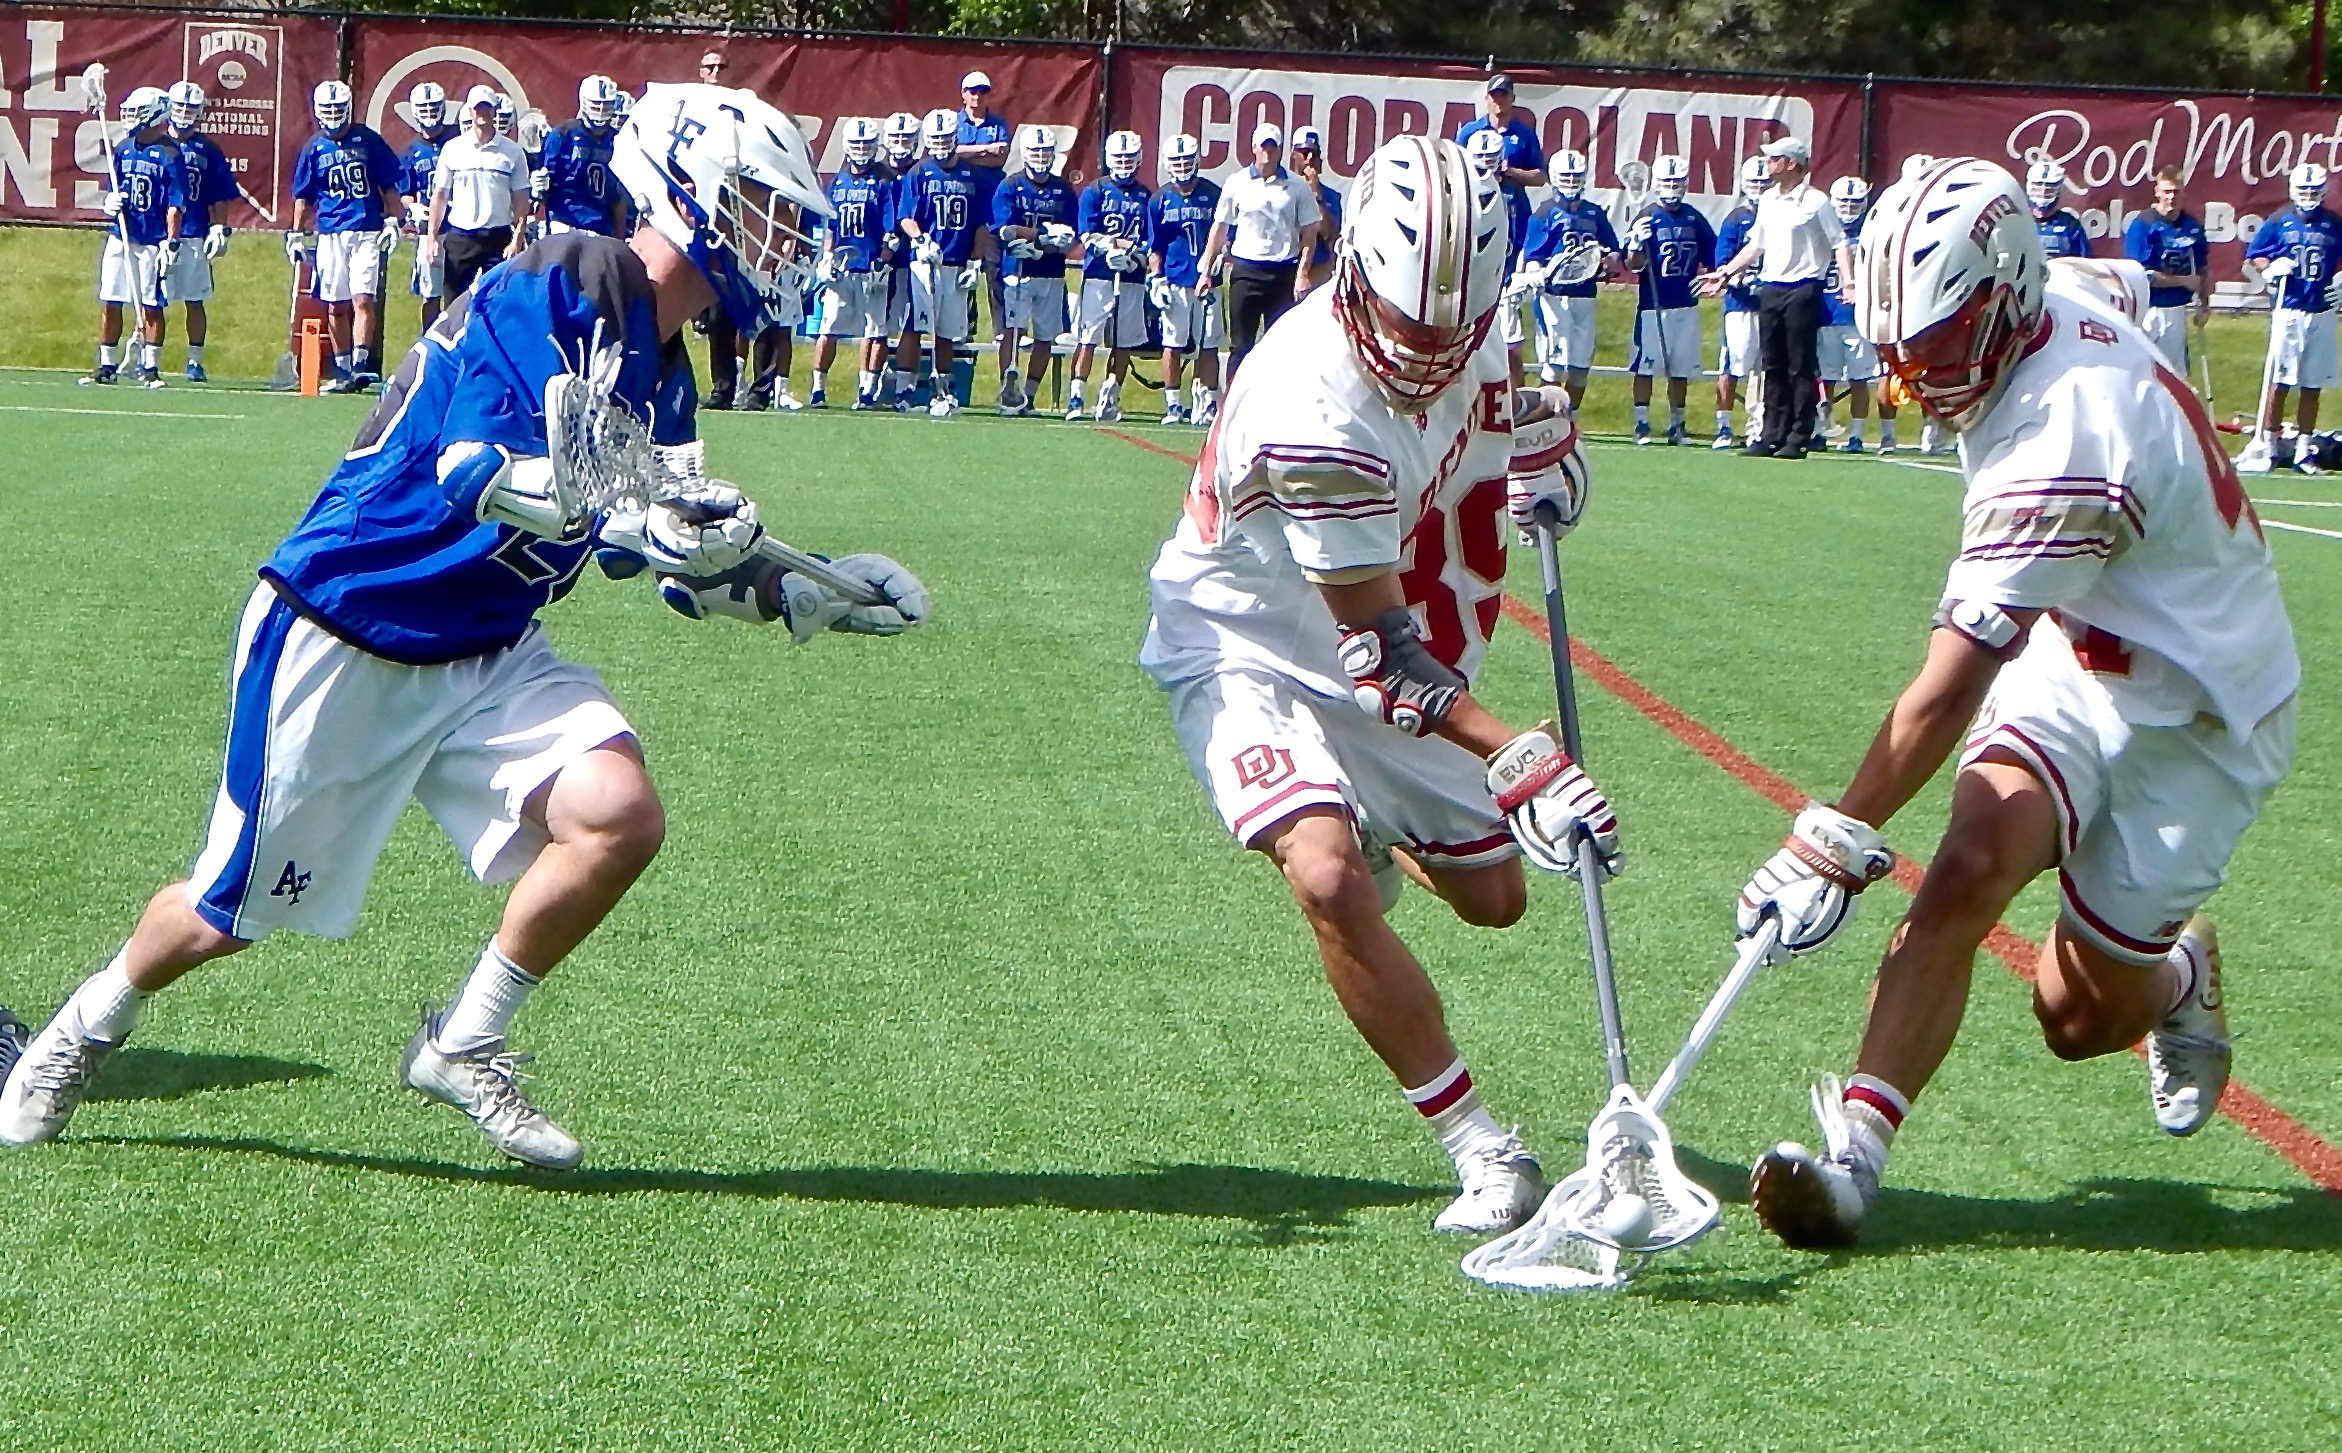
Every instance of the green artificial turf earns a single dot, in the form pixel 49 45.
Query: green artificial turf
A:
pixel 950 1081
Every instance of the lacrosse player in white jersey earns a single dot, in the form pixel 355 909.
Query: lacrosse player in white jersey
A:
pixel 2112 652
pixel 1323 698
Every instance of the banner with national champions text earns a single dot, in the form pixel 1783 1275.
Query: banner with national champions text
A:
pixel 255 67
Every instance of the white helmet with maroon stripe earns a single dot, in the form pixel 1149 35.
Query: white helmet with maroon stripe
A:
pixel 1949 282
pixel 1422 266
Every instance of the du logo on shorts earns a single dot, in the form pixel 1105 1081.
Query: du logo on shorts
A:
pixel 1262 766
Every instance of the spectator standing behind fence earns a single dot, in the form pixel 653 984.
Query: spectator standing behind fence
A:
pixel 479 198
pixel 1268 221
pixel 2170 245
pixel 1791 248
pixel 1309 161
pixel 984 140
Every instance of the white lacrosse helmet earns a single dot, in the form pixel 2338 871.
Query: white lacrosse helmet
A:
pixel 1422 266
pixel 725 178
pixel 187 103
pixel 940 134
pixel 1569 174
pixel 623 105
pixel 1756 178
pixel 145 107
pixel 1914 164
pixel 1037 148
pixel 1486 149
pixel 597 102
pixel 1949 282
pixel 2306 186
pixel 2045 186
pixel 1183 156
pixel 330 103
pixel 506 114
pixel 1670 178
pixel 902 137
pixel 428 103
pixel 1123 152
pixel 861 138
pixel 1849 195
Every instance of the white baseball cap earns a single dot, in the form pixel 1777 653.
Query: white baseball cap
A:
pixel 975 81
pixel 1789 148
pixel 1267 134
pixel 479 96
pixel 1306 138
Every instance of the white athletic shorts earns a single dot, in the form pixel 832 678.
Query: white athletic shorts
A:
pixel 1192 321
pixel 1565 332
pixel 1264 749
pixel 939 305
pixel 349 265
pixel 1035 306
pixel 131 272
pixel 2168 328
pixel 897 285
pixel 1845 355
pixel 1101 323
pixel 327 743
pixel 1737 356
pixel 1679 329
pixel 2302 347
pixel 2150 815
pixel 189 280
pixel 853 306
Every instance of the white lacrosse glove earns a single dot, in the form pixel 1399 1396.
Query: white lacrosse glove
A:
pixel 110 203
pixel 540 184
pixel 830 268
pixel 1548 801
pixel 392 230
pixel 1159 289
pixel 1810 883
pixel 297 248
pixel 1024 249
pixel 1525 282
pixel 1548 469
pixel 760 591
pixel 1394 678
pixel 701 532
pixel 2277 271
pixel 1057 236
pixel 168 251
pixel 926 249
pixel 971 276
pixel 1125 258
pixel 215 242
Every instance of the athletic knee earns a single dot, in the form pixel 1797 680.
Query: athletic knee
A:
pixel 1332 887
pixel 1972 875
pixel 1492 898
pixel 2076 1031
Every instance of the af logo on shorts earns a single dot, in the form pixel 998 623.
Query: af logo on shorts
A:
pixel 291 884
pixel 1263 766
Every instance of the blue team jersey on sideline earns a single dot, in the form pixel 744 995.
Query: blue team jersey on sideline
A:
pixel 2314 241
pixel 1682 246
pixel 942 199
pixel 1329 206
pixel 1836 311
pixel 420 162
pixel 152 181
pixel 2177 247
pixel 577 159
pixel 1179 223
pixel 343 178
pixel 1112 209
pixel 1730 238
pixel 382 560
pixel 209 181
pixel 863 216
pixel 993 130
pixel 1553 225
pixel 1024 202
pixel 2062 235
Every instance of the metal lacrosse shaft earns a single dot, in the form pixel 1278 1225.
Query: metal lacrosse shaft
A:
pixel 1589 858
pixel 1756 951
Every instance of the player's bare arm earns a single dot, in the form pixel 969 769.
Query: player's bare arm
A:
pixel 1928 721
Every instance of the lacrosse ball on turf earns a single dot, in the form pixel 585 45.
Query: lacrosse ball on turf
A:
pixel 1627 1219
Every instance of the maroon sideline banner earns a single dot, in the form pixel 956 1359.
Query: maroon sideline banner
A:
pixel 256 67
pixel 818 81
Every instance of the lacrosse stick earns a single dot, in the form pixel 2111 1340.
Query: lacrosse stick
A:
pixel 93 90
pixel 1658 311
pixel 530 131
pixel 2203 359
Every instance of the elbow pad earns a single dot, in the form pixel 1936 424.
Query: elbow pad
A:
pixel 491 484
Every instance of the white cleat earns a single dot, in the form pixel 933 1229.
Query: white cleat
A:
pixel 1110 412
pixel 1502 1188
pixel 2188 1054
pixel 1073 412
pixel 1725 440
pixel 1815 1202
pixel 52 1073
pixel 484 1084
pixel 13 1039
pixel 942 406
pixel 786 401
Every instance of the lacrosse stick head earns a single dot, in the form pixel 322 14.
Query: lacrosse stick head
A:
pixel 1577 263
pixel 601 452
pixel 530 130
pixel 1629 1157
pixel 1543 1255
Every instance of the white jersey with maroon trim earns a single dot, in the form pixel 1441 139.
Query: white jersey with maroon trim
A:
pixel 1311 469
pixel 2097 489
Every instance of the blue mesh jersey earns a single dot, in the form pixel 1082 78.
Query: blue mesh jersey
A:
pixel 420 162
pixel 1682 246
pixel 942 200
pixel 1730 238
pixel 863 197
pixel 1112 209
pixel 1551 229
pixel 152 181
pixel 1836 311
pixel 1024 202
pixel 2173 245
pixel 344 178
pixel 208 180
pixel 1329 206
pixel 578 162
pixel 1179 223
pixel 382 560
pixel 993 130
pixel 2062 235
pixel 2313 240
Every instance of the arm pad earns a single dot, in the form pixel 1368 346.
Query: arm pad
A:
pixel 491 484
pixel 1985 623
pixel 1393 676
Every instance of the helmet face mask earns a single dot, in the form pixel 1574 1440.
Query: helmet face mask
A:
pixel 939 135
pixel 861 141
pixel 1756 178
pixel 902 137
pixel 1670 179
pixel 428 104
pixel 1486 148
pixel 187 103
pixel 1124 151
pixel 1569 174
pixel 1183 158
pixel 330 103
pixel 2305 186
pixel 1038 150
pixel 1850 196
pixel 1421 269
pixel 2045 186
pixel 146 108
pixel 597 102
pixel 506 115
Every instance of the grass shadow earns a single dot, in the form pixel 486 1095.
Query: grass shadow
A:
pixel 169 1074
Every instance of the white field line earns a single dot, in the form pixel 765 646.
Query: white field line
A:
pixel 111 413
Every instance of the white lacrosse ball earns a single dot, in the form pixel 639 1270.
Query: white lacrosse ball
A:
pixel 1627 1219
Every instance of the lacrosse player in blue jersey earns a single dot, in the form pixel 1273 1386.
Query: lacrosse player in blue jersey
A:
pixel 2170 245
pixel 145 206
pixel 209 182
pixel 1486 149
pixel 1112 220
pixel 1033 216
pixel 1179 226
pixel 345 181
pixel 1669 245
pixel 427 107
pixel 853 301
pixel 1736 355
pixel 2062 234
pixel 900 138
pixel 2295 253
pixel 1565 311
pixel 936 210
pixel 1846 357
pixel 392 651
pixel 571 180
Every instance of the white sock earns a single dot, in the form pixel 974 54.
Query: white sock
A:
pixel 1874 1112
pixel 342 362
pixel 1886 431
pixel 108 355
pixel 1854 430
pixel 866 383
pixel 483 1010
pixel 2187 975
pixel 1453 1107
pixel 150 356
pixel 1674 416
pixel 1723 421
pixel 105 1007
pixel 1642 416
pixel 195 353
pixel 1075 397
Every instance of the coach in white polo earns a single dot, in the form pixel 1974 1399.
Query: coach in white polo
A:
pixel 1790 247
pixel 1268 221
pixel 479 198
